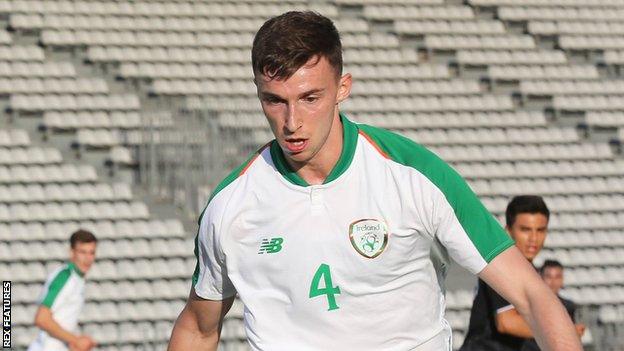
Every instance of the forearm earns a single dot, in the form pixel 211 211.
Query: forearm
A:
pixel 512 323
pixel 549 321
pixel 187 336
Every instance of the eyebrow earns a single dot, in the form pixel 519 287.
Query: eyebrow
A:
pixel 265 94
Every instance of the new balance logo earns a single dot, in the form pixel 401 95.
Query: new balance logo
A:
pixel 271 246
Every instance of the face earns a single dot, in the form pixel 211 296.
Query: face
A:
pixel 529 232
pixel 83 255
pixel 553 277
pixel 303 110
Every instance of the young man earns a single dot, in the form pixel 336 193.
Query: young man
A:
pixel 495 324
pixel 326 232
pixel 62 299
pixel 552 273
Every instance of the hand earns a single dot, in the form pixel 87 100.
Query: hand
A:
pixel 82 343
pixel 580 329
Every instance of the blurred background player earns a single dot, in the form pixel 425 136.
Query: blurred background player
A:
pixel 62 299
pixel 494 323
pixel 552 273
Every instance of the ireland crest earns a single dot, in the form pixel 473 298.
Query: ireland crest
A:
pixel 369 237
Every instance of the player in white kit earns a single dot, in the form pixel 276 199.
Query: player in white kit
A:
pixel 326 233
pixel 62 299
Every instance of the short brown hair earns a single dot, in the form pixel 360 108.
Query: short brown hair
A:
pixel 82 236
pixel 285 43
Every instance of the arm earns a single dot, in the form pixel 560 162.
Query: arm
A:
pixel 511 322
pixel 199 325
pixel 512 276
pixel 44 320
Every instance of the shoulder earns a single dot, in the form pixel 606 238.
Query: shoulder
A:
pixel 221 194
pixel 409 153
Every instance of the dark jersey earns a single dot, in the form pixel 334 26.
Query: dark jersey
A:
pixel 482 333
pixel 531 345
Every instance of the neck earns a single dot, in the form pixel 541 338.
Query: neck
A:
pixel 316 170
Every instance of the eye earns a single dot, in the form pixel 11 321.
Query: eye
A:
pixel 310 99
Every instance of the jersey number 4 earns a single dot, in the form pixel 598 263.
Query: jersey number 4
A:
pixel 329 290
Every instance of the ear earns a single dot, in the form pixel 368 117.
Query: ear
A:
pixel 344 88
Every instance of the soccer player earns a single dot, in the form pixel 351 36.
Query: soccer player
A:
pixel 326 232
pixel 62 299
pixel 495 322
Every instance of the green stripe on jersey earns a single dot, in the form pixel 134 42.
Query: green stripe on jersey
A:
pixel 483 230
pixel 237 172
pixel 56 285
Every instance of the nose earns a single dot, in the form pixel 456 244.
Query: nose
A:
pixel 292 122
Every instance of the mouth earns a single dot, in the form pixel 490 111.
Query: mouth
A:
pixel 295 145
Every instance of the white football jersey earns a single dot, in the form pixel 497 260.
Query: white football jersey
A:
pixel 345 265
pixel 63 294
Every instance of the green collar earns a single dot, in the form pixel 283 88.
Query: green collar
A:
pixel 349 137
pixel 72 266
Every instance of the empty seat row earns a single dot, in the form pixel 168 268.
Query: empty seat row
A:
pixel 547 3
pixel 541 169
pixel 135 248
pixel 406 120
pixel 203 87
pixel 611 314
pixel 53 85
pixel 386 55
pixel 400 12
pixel 459 299
pixel 415 87
pixel 588 103
pixel 576 27
pixel 566 203
pixel 132 311
pixel 133 38
pixel 584 239
pixel 14 138
pixel 435 103
pixel 74 102
pixel 195 71
pixel 472 42
pixel 580 151
pixel 493 136
pixel 103 229
pixel 72 211
pixel 420 27
pixel 524 72
pixel 614 56
pixel 21 53
pixel 527 13
pixel 138 290
pixel 104 119
pixel 595 295
pixel 512 57
pixel 188 39
pixel 123 336
pixel 594 276
pixel 392 71
pixel 168 54
pixel 588 221
pixel 28 155
pixel 50 173
pixel 173 9
pixel 591 42
pixel 36 69
pixel 378 2
pixel 64 192
pixel 550 186
pixel 561 87
pixel 156 268
pixel 102 270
